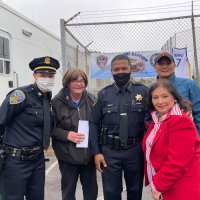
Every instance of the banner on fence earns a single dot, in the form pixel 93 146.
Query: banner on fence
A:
pixel 182 65
pixel 141 64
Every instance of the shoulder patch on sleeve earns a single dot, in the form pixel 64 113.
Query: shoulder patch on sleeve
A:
pixel 17 97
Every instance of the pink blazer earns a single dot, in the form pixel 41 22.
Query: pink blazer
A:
pixel 175 156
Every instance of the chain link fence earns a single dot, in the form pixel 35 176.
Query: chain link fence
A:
pixel 184 38
pixel 82 39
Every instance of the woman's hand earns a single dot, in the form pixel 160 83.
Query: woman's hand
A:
pixel 187 108
pixel 155 196
pixel 99 159
pixel 189 113
pixel 75 137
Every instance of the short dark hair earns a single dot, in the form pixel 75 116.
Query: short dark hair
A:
pixel 165 83
pixel 73 74
pixel 120 57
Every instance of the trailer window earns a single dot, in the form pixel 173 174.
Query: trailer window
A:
pixel 4 56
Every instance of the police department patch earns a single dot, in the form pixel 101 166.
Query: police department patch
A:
pixel 17 97
pixel 101 61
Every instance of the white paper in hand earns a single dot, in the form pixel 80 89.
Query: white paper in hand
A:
pixel 83 127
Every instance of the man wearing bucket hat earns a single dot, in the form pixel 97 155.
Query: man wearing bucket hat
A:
pixel 165 67
pixel 25 127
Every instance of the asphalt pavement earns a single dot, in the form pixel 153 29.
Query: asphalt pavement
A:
pixel 53 190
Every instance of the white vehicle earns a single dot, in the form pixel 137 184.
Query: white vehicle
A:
pixel 21 40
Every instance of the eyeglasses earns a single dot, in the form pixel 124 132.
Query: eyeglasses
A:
pixel 75 82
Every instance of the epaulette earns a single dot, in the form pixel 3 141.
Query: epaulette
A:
pixel 28 88
pixel 103 90
pixel 140 84
pixel 106 87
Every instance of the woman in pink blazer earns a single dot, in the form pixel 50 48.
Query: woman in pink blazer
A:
pixel 171 147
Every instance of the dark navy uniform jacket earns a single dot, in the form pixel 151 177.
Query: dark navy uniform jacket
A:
pixel 105 113
pixel 21 117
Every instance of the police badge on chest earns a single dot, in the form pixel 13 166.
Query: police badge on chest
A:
pixel 137 100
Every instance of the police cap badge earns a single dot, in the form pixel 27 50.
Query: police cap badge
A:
pixel 44 65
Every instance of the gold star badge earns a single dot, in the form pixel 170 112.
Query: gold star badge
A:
pixel 138 97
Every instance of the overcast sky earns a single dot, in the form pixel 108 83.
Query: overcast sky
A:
pixel 48 13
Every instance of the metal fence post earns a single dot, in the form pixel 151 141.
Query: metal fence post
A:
pixel 63 48
pixel 77 54
pixel 195 48
pixel 175 40
pixel 171 45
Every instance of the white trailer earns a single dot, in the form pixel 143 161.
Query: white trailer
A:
pixel 21 40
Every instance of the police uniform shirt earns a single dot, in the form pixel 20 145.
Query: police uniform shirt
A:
pixel 106 112
pixel 21 117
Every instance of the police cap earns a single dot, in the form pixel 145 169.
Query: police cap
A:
pixel 44 65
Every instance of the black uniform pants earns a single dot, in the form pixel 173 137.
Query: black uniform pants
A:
pixel 21 179
pixel 69 177
pixel 128 161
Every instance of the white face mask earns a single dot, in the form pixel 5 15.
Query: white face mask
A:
pixel 45 84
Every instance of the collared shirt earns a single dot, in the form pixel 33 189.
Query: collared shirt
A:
pixel 157 122
pixel 106 114
pixel 23 121
pixel 191 91
pixel 76 104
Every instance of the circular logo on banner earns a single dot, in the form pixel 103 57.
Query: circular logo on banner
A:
pixel 137 64
pixel 101 61
pixel 152 59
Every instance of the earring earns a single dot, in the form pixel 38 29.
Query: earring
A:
pixel 175 101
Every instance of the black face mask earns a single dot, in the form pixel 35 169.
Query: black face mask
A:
pixel 122 78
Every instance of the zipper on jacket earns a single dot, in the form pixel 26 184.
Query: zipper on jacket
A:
pixel 79 113
pixel 85 152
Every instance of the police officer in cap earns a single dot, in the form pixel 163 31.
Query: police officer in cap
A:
pixel 25 123
pixel 119 115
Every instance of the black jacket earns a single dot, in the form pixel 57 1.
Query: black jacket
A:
pixel 67 118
